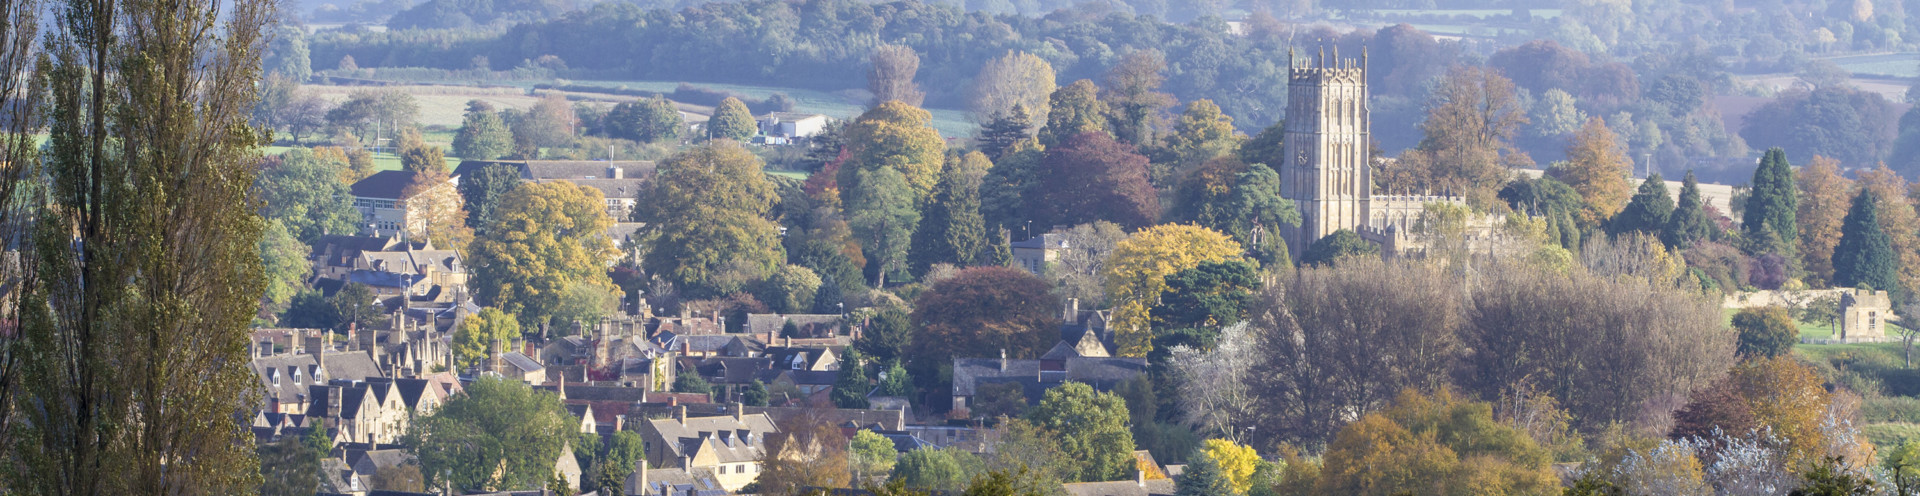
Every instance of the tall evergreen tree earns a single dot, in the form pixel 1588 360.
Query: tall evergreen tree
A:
pixel 951 231
pixel 850 389
pixel 1001 133
pixel 999 251
pixel 1689 223
pixel 1865 255
pixel 483 135
pixel 482 190
pixel 883 219
pixel 1775 201
pixel 1649 209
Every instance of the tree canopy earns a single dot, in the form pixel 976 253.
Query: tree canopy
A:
pixel 706 210
pixel 545 238
pixel 498 435
pixel 1864 257
pixel 1136 274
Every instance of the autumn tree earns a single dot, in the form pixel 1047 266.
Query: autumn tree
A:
pixel 647 121
pixel 951 229
pixel 1897 218
pixel 1822 207
pixel 1774 204
pixel 1133 95
pixel 891 76
pixel 550 123
pixel 545 238
pixel 937 469
pixel 1439 444
pixel 1015 80
pixel 482 135
pixel 482 334
pixel 708 209
pixel 1765 332
pixel 896 136
pixel 286 265
pixel 1090 177
pixel 1092 430
pixel 1201 134
pixel 1864 257
pixel 982 311
pixel 1073 110
pixel 811 454
pixel 303 191
pixel 1236 463
pixel 1136 274
pixel 135 263
pixel 1649 209
pixel 497 435
pixel 1241 200
pixel 731 120
pixel 1689 223
pixel 1597 166
pixel 1471 122
pixel 1599 341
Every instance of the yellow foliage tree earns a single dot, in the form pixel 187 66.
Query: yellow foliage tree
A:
pixel 899 136
pixel 544 238
pixel 1897 218
pixel 1137 273
pixel 1597 167
pixel 1237 462
pixel 1790 399
pixel 1437 444
pixel 1824 198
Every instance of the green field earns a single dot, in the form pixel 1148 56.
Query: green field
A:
pixel 1480 13
pixel 1902 64
pixel 1807 329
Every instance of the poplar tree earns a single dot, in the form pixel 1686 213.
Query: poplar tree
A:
pixel 483 135
pixel 1775 200
pixel 141 270
pixel 1689 223
pixel 1865 255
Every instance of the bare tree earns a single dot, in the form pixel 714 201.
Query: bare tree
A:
pixel 1214 391
pixel 891 78
pixel 18 23
pixel 1341 341
pixel 1017 78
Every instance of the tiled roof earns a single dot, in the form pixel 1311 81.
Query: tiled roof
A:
pixel 521 362
pixel 1155 487
pixel 1101 373
pixel 762 324
pixel 721 433
pixel 383 184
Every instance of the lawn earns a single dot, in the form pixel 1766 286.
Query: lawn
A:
pixel 1807 329
pixel 951 123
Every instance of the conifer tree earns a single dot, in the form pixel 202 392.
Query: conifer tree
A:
pixel 1001 133
pixel 1774 203
pixel 1689 223
pixel 1202 478
pixel 1865 256
pixel 850 390
pixel 951 230
pixel 1649 209
pixel 999 250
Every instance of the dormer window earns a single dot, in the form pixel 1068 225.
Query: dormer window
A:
pixel 275 375
pixel 296 375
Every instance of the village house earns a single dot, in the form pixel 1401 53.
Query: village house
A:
pixel 619 181
pixel 731 447
pixel 388 265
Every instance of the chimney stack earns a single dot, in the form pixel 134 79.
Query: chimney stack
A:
pixel 680 414
pixel 616 172
pixel 739 412
pixel 1140 478
pixel 1072 313
pixel 1003 359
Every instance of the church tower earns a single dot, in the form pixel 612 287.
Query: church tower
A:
pixel 1326 171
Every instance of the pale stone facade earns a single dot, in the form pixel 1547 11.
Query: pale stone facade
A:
pixel 1864 314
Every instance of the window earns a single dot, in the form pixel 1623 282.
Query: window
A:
pixel 723 470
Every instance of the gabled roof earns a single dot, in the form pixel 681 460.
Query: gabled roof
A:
pixel 628 188
pixel 722 434
pixel 1155 487
pixel 762 324
pixel 1101 373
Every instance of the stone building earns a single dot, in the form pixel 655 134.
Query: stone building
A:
pixel 1328 167
pixel 1863 315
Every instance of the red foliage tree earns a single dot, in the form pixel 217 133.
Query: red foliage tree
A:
pixel 1091 177
pixel 982 310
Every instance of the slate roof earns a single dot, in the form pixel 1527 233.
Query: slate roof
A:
pixel 628 188
pixel 733 370
pixel 876 420
pixel 376 460
pixel 675 481
pixel 384 184
pixel 723 434
pixel 349 365
pixel 574 170
pixel 762 324
pixel 802 377
pixel 520 361
pixel 797 358
pixel 1101 373
pixel 903 442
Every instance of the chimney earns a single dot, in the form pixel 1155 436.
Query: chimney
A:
pixel 616 172
pixel 1072 312
pixel 1003 359
pixel 619 423
pixel 640 489
pixel 739 412
pixel 680 414
pixel 563 386
pixel 1140 478
pixel 673 401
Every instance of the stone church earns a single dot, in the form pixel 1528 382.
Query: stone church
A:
pixel 1328 168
